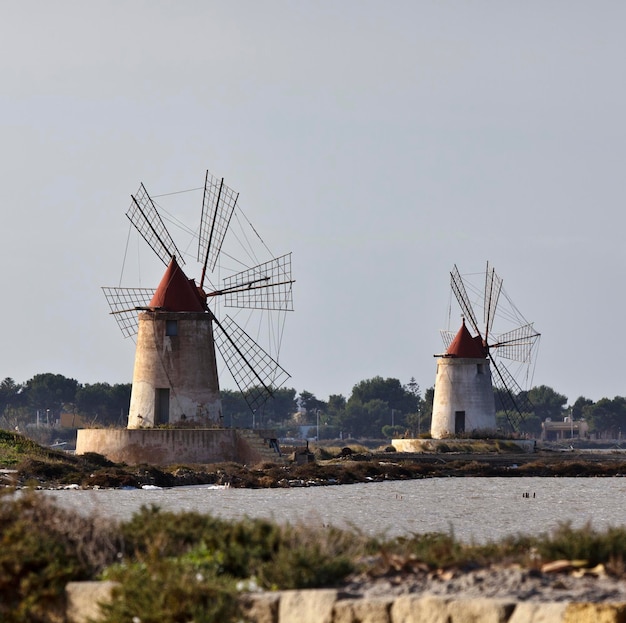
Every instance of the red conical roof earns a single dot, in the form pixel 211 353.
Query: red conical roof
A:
pixel 176 293
pixel 464 345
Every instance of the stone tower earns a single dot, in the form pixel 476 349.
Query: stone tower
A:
pixel 463 400
pixel 175 375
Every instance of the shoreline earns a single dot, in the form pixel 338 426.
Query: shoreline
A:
pixel 94 471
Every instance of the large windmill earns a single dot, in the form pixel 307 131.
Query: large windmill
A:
pixel 175 378
pixel 487 355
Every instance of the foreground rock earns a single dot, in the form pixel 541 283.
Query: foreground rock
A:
pixel 333 606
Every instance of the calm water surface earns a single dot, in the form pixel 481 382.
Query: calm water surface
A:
pixel 475 509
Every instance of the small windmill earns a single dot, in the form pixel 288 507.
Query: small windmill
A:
pixel 175 376
pixel 508 354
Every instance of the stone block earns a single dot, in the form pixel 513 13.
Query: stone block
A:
pixel 595 613
pixel 84 599
pixel 375 610
pixel 538 612
pixel 480 610
pixel 307 606
pixel 420 609
pixel 260 607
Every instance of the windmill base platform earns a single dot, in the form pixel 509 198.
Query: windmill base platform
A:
pixel 179 446
pixel 437 445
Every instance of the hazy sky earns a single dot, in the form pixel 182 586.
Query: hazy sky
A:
pixel 380 142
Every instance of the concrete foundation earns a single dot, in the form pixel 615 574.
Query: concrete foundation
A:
pixel 174 446
pixel 417 446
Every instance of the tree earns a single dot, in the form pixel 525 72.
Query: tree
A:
pixel 579 406
pixel 310 403
pixel 336 405
pixel 374 403
pixel 388 390
pixel 235 409
pixel 414 420
pixel 104 403
pixel 607 417
pixel 280 407
pixel 50 392
pixel 10 394
pixel 547 403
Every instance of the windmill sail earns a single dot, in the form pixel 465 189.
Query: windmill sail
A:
pixel 218 205
pixel 458 287
pixel 124 304
pixel 256 373
pixel 493 286
pixel 517 345
pixel 147 220
pixel 510 398
pixel 266 286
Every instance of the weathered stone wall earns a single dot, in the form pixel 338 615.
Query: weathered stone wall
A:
pixel 462 384
pixel 329 606
pixel 183 364
pixel 171 446
pixel 161 446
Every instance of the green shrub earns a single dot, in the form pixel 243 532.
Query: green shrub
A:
pixel 584 544
pixel 170 590
pixel 42 548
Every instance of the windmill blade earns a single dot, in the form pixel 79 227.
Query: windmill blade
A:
pixel 125 303
pixel 493 287
pixel 218 205
pixel 517 345
pixel 147 221
pixel 509 398
pixel 266 286
pixel 458 287
pixel 256 373
pixel 446 337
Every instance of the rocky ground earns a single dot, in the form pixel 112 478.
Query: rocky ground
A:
pixel 57 470
pixel 495 582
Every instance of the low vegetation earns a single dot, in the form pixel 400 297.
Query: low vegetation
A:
pixel 175 567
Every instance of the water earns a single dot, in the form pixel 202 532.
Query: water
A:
pixel 474 509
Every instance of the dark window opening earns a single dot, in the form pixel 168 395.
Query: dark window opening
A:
pixel 161 406
pixel 459 422
pixel 171 327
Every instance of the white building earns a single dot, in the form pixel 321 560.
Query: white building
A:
pixel 463 400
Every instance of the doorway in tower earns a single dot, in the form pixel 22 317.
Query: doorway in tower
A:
pixel 459 422
pixel 161 406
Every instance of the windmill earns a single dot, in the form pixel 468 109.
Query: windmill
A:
pixel 177 330
pixel 498 353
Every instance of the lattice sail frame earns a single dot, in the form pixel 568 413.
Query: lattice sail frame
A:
pixel 516 344
pixel 147 221
pixel 256 373
pixel 267 286
pixel 125 303
pixel 218 205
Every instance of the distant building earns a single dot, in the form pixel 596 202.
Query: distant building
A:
pixel 567 428
pixel 73 420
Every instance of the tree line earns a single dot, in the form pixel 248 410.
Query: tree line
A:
pixel 376 408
